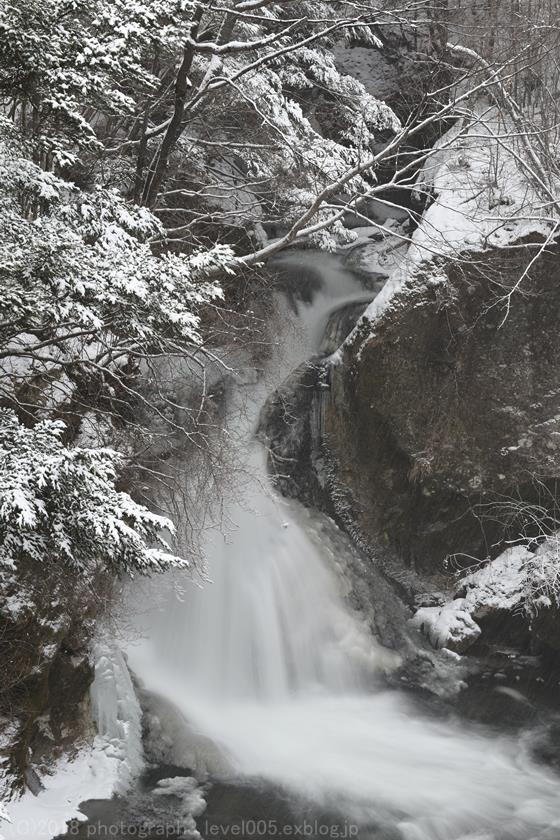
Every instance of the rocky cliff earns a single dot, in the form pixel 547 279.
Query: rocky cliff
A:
pixel 444 414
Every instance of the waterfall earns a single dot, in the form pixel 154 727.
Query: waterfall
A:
pixel 271 619
pixel 268 665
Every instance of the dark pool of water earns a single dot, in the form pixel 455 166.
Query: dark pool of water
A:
pixel 234 811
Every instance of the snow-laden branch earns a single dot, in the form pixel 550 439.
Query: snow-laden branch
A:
pixel 242 46
pixel 302 228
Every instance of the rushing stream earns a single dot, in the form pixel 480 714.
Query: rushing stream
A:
pixel 266 676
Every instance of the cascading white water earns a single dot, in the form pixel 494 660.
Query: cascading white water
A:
pixel 271 619
pixel 268 664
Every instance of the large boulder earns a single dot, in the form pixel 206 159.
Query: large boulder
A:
pixel 448 626
pixel 444 415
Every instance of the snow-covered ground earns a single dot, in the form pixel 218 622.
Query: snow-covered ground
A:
pixel 483 197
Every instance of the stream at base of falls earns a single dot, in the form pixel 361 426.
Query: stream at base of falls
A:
pixel 267 686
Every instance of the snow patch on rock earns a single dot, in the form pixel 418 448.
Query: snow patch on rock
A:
pixel 449 626
pixel 188 791
pixel 500 584
pixel 518 579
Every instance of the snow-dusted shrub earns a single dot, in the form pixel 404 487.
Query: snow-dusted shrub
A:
pixel 60 505
pixel 87 300
pixel 542 568
pixel 64 53
pixel 81 266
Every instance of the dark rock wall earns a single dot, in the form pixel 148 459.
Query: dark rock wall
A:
pixel 451 403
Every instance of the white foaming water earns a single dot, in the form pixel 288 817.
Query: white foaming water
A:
pixel 271 622
pixel 269 665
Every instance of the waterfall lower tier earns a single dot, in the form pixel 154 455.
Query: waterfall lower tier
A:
pixel 271 622
pixel 272 676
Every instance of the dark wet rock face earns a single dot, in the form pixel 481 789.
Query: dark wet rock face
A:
pixel 451 404
pixel 545 627
pixel 341 323
pixel 289 426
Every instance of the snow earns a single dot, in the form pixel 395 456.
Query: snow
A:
pixel 516 579
pixel 376 250
pixel 504 584
pixel 36 468
pixel 190 793
pixel 483 195
pixel 449 626
pixel 482 198
pixel 98 770
pixel 499 585
pixel 45 816
pixel 3 818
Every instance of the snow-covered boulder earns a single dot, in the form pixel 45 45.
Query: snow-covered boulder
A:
pixel 498 585
pixel 518 591
pixel 449 626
